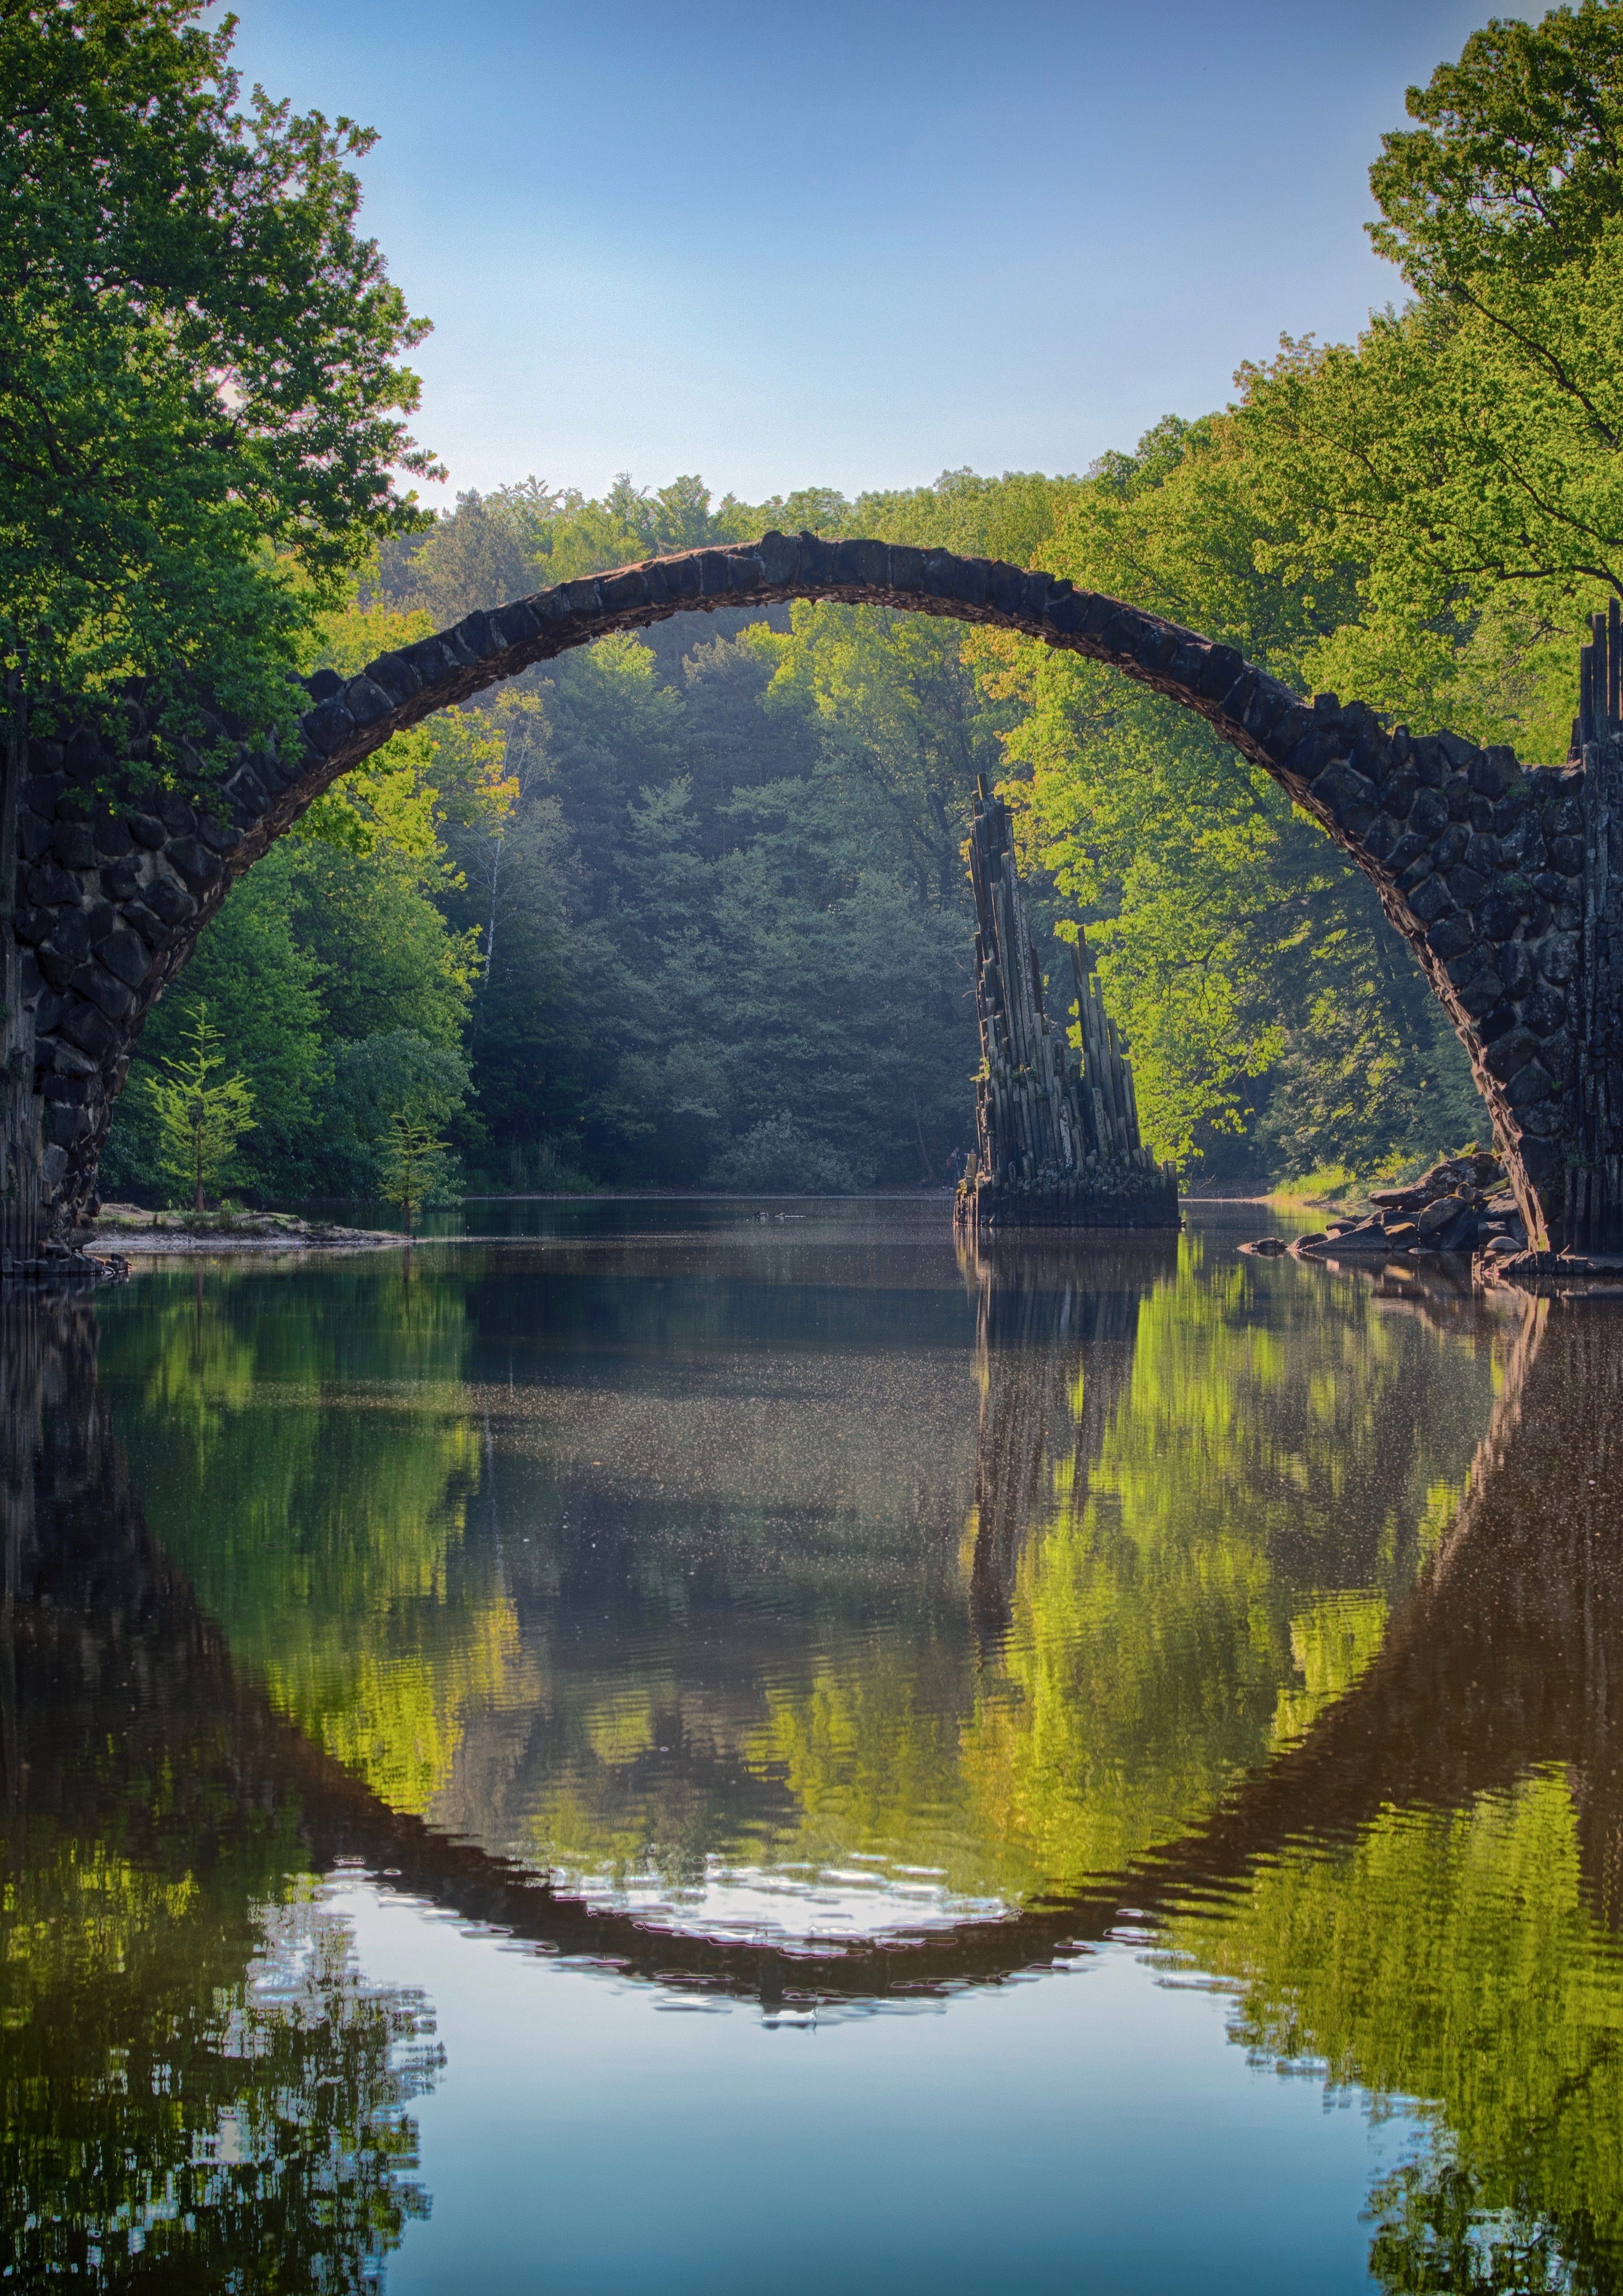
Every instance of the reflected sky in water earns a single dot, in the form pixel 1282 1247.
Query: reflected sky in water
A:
pixel 668 1731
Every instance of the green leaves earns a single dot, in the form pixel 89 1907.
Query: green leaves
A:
pixel 201 1113
pixel 200 402
pixel 1516 166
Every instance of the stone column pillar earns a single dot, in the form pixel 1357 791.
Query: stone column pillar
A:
pixel 22 1109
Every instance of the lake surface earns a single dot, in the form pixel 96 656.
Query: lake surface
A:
pixel 666 1747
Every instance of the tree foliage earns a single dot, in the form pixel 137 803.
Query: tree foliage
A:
pixel 201 402
pixel 201 1113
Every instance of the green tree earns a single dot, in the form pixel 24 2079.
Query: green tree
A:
pixel 201 1115
pixel 261 986
pixel 412 1164
pixel 199 400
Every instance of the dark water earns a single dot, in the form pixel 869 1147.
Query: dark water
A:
pixel 676 1751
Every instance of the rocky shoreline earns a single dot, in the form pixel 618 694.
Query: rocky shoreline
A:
pixel 132 1231
pixel 1464 1204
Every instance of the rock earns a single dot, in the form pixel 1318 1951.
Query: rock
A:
pixel 1459 1235
pixel 1441 1213
pixel 1267 1247
pixel 1403 1233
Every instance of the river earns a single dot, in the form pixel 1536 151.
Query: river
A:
pixel 719 1747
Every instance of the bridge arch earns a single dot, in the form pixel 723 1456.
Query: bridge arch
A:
pixel 1478 861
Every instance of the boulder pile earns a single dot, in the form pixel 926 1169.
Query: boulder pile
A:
pixel 1462 1204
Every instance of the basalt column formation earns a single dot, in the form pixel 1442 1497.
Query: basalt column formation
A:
pixel 1057 1127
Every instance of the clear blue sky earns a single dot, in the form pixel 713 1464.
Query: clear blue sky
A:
pixel 853 242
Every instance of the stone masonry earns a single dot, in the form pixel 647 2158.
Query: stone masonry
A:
pixel 1502 878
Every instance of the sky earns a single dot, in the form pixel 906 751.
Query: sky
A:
pixel 852 242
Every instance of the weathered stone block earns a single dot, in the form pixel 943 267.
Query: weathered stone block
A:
pixel 322 685
pixel 110 997
pixel 1482 854
pixel 1430 900
pixel 1317 749
pixel 110 833
pixel 1408 850
pixel 1427 764
pixel 328 727
pixel 1008 596
pixel 1531 1083
pixel 125 956
pixel 194 863
pixel 73 845
pixel 1429 813
pixel 429 662
pixel 1494 771
pixel 394 675
pixel 1457 750
pixel 34 836
pixel 63 1126
pixel 147 830
pixel 780 558
pixel 219 836
pixel 247 794
pixel 620 593
pixel 49 887
pixel 1456 794
pixel 1223 667
pixel 1557 957
pixel 140 918
pixel 367 703
pixel 516 624
pixel 1452 938
pixel 170 901
pixel 176 814
pixel 1483 993
pixel 1545 1011
pixel 66 1091
pixel 1567 855
pixel 1543 1120
pixel 1516 964
pixel 1466 887
pixel 1512 1052
pixel 1338 785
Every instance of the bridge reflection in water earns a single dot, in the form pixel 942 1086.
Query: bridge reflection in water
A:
pixel 1284 1612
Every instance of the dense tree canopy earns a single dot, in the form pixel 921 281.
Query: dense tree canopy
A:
pixel 200 406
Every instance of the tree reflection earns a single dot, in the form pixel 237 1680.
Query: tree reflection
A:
pixel 1229 1617
pixel 197 2087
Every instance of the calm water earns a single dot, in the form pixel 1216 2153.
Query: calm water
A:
pixel 667 1750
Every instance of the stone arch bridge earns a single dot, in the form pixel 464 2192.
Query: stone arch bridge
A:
pixel 1502 878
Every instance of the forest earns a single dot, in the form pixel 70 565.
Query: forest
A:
pixel 689 908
